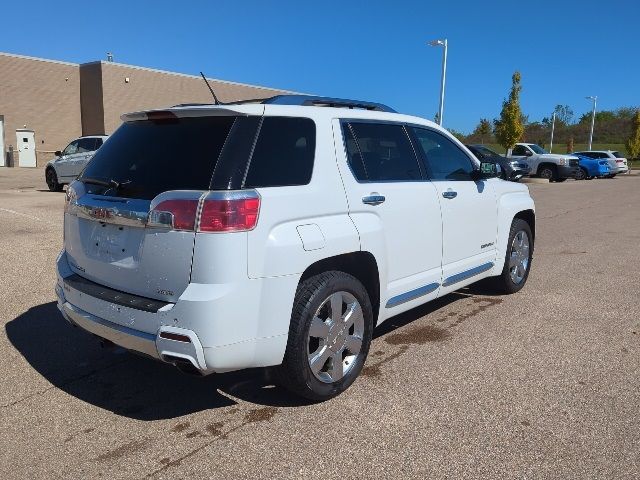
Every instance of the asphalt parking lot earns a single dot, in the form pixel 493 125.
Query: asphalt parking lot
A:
pixel 541 384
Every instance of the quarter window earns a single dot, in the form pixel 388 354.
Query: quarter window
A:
pixel 86 145
pixel 445 160
pixel 284 153
pixel 379 152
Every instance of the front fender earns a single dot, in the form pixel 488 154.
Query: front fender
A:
pixel 509 205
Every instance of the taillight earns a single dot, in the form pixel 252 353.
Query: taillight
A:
pixel 179 214
pixel 235 211
pixel 219 211
pixel 69 197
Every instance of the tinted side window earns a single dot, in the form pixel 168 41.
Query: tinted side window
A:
pixel 86 145
pixel 385 152
pixel 283 154
pixel 519 150
pixel 98 143
pixel 445 160
pixel 353 154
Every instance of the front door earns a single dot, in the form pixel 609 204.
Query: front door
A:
pixel 26 142
pixel 469 210
pixel 395 209
pixel 65 165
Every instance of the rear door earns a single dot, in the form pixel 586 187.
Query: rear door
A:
pixel 65 164
pixel 144 164
pixel 394 208
pixel 469 209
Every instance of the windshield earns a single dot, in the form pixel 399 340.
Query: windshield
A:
pixel 537 148
pixel 486 151
pixel 145 158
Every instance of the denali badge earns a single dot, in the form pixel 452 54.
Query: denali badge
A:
pixel 165 292
pixel 486 245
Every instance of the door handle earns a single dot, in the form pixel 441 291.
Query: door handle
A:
pixel 450 194
pixel 373 199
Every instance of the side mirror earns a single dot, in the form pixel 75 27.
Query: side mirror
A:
pixel 486 170
pixel 58 153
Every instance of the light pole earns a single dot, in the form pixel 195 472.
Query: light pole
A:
pixel 593 118
pixel 553 125
pixel 441 43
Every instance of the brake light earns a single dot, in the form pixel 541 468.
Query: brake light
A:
pixel 179 214
pixel 229 211
pixel 69 197
pixel 218 211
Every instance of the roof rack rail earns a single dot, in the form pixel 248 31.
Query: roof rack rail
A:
pixel 305 100
pixel 310 100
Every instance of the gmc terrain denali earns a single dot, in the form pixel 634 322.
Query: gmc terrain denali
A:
pixel 280 232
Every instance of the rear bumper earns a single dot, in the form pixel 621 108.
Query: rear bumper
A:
pixel 154 346
pixel 225 333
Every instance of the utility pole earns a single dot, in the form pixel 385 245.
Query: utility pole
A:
pixel 553 125
pixel 441 43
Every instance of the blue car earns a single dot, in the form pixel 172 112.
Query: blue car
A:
pixel 592 167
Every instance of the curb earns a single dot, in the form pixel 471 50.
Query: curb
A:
pixel 533 180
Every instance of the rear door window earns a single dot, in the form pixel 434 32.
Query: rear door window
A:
pixel 283 154
pixel 148 157
pixel 380 152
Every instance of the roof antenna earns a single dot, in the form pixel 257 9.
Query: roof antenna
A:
pixel 210 89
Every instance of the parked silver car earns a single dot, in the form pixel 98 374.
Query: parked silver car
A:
pixel 69 162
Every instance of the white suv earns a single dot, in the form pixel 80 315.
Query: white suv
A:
pixel 68 163
pixel 280 233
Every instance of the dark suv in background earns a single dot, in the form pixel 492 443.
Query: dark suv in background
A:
pixel 512 170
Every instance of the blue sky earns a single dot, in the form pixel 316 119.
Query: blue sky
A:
pixel 373 50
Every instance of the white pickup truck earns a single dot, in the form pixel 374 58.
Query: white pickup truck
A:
pixel 555 167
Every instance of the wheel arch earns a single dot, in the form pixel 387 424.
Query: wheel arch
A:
pixel 361 265
pixel 528 216
pixel 546 164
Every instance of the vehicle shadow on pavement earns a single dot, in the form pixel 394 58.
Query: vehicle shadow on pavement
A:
pixel 126 384
pixel 140 388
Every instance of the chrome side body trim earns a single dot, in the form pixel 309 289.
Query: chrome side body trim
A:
pixel 459 277
pixel 411 295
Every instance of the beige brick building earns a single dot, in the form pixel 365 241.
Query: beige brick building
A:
pixel 60 101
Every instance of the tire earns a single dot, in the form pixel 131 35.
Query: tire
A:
pixel 506 283
pixel 310 366
pixel 582 174
pixel 549 172
pixel 51 178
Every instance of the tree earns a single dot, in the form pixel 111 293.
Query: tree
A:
pixel 633 144
pixel 564 114
pixel 483 129
pixel 509 127
pixel 570 145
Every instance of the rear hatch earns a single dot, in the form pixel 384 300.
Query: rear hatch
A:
pixel 155 162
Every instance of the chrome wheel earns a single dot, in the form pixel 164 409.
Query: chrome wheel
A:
pixel 519 258
pixel 335 337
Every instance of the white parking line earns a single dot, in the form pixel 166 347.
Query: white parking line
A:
pixel 32 217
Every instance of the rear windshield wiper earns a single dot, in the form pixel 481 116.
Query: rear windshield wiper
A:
pixel 110 185
pixel 95 181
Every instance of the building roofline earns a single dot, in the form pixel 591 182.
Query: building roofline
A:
pixel 136 67
pixel 167 72
pixel 38 59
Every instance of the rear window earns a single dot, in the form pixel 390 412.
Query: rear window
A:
pixel 617 155
pixel 145 158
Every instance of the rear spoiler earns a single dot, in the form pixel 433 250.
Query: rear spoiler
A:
pixel 194 110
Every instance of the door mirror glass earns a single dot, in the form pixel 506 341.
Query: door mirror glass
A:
pixel 486 170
